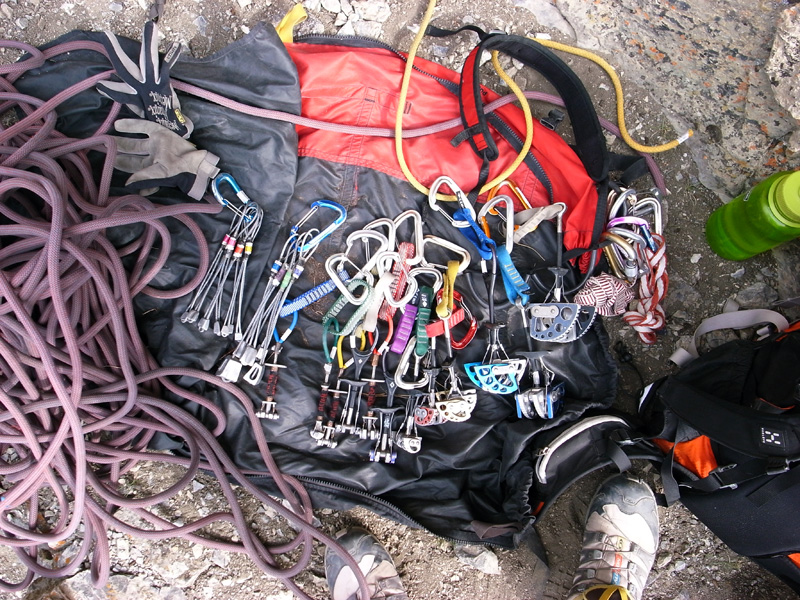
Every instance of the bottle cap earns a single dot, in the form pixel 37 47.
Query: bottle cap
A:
pixel 787 197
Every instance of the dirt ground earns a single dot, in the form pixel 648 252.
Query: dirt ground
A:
pixel 692 563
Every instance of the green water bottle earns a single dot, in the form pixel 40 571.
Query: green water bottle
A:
pixel 762 218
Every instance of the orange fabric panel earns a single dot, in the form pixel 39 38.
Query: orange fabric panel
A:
pixel 795 558
pixel 696 455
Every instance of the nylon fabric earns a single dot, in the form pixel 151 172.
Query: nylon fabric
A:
pixel 334 89
pixel 696 455
pixel 470 477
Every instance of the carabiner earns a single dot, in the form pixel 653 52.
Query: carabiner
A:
pixel 334 269
pixel 315 206
pixel 411 283
pixel 618 203
pixel 438 280
pixel 461 198
pixel 390 228
pixel 448 245
pixel 488 207
pixel 228 178
pixel 402 368
pixel 655 208
pixel 638 222
pixel 515 189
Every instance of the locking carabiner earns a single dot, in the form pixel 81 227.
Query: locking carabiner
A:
pixel 240 194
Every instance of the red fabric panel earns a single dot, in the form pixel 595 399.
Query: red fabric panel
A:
pixel 468 98
pixel 362 87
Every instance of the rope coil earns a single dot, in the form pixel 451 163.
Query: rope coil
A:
pixel 81 397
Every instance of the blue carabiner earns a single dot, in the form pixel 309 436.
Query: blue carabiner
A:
pixel 228 178
pixel 240 194
pixel 315 206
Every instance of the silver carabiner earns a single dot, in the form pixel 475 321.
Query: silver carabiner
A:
pixel 448 245
pixel 461 198
pixel 509 218
pixel 419 236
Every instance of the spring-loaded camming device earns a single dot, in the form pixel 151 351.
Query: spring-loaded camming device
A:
pixel 324 429
pixel 543 399
pixel 268 408
pixel 558 320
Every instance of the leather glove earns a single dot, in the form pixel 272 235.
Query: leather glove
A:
pixel 145 88
pixel 162 158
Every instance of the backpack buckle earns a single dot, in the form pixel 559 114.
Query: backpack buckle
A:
pixel 553 119
pixel 776 466
pixel 715 474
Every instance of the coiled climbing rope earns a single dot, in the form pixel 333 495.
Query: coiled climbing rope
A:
pixel 81 397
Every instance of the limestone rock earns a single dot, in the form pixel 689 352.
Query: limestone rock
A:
pixel 373 10
pixel 479 557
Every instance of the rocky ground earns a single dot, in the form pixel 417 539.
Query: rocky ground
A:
pixel 694 63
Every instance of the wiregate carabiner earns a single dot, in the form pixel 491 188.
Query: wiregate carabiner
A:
pixel 315 206
pixel 461 198
pixel 488 207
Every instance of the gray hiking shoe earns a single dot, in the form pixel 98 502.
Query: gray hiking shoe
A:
pixel 619 542
pixel 373 560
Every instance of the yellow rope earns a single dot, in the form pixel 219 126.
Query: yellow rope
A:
pixel 398 128
pixel 618 91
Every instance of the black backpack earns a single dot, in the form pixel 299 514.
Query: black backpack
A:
pixel 726 432
pixel 729 426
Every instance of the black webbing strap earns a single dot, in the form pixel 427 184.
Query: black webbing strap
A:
pixel 589 140
pixel 618 456
pixel 632 167
pixel 775 487
pixel 438 32
pixel 741 428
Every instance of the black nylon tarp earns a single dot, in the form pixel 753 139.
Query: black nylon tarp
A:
pixel 467 474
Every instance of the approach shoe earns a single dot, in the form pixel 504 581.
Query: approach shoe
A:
pixel 619 542
pixel 375 563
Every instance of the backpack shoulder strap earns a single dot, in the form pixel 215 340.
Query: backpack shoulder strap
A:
pixel 590 144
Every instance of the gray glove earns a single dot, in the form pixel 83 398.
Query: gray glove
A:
pixel 162 158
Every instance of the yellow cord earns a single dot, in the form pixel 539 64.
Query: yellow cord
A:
pixel 618 91
pixel 398 128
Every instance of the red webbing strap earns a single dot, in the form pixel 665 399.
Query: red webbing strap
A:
pixel 469 107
